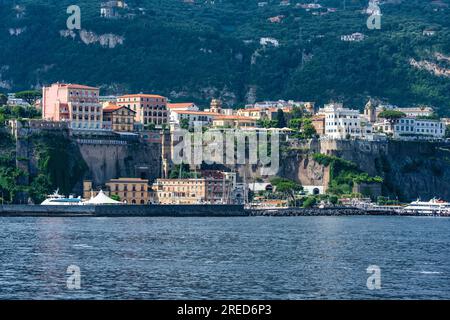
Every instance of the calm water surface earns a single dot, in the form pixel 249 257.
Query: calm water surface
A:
pixel 225 258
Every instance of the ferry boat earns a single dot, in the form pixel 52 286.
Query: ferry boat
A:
pixel 434 206
pixel 56 199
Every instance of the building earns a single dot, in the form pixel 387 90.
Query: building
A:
pixel 409 127
pixel 408 111
pixel 211 189
pixel 254 113
pixel 110 9
pixel 193 118
pixel 354 37
pixel 179 191
pixel 216 106
pixel 223 121
pixel 118 118
pixel 341 122
pixel 149 108
pixel 77 104
pixel 370 112
pixel 318 123
pixel 130 190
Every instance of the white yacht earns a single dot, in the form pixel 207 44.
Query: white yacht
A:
pixel 434 206
pixel 56 199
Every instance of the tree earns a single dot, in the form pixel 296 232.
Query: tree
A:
pixel 297 112
pixel 184 124
pixel 309 202
pixel 281 120
pixel 29 96
pixel 115 197
pixel 3 99
pixel 391 115
pixel 286 187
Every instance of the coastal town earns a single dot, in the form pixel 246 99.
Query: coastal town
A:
pixel 152 120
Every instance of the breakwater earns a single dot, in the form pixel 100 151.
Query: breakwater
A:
pixel 335 211
pixel 123 211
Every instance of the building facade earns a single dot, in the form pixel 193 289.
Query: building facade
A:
pixel 237 122
pixel 149 108
pixel 341 122
pixel 130 190
pixel 77 104
pixel 133 191
pixel 406 128
pixel 118 118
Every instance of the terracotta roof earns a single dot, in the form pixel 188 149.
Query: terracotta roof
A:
pixel 250 110
pixel 141 95
pixel 225 117
pixel 199 113
pixel 180 105
pixel 77 86
pixel 112 108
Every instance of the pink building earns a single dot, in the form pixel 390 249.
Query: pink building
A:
pixel 77 104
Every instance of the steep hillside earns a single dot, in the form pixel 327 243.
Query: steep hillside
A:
pixel 196 50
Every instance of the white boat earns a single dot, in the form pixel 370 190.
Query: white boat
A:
pixel 56 199
pixel 434 206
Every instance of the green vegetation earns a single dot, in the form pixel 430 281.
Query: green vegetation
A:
pixel 59 165
pixel 115 197
pixel 304 128
pixel 286 187
pixel 18 112
pixel 343 174
pixel 29 96
pixel 192 52
pixel 185 172
pixel 391 115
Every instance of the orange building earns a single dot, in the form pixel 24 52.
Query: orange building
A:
pixel 149 108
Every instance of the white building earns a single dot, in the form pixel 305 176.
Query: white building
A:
pixel 410 127
pixel 341 122
pixel 193 117
pixel 174 108
pixel 269 41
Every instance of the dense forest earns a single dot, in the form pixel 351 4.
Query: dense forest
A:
pixel 196 50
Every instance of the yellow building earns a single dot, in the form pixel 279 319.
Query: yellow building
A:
pixel 254 113
pixel 130 190
pixel 150 108
pixel 118 118
pixel 223 121
pixel 179 191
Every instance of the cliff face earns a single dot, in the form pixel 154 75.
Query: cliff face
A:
pixel 410 169
pixel 107 162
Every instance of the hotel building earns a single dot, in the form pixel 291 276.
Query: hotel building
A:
pixel 77 104
pixel 410 127
pixel 118 118
pixel 129 190
pixel 149 108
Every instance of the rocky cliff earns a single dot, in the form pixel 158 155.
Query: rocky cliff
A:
pixel 410 170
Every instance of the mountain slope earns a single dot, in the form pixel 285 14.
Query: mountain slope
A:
pixel 203 50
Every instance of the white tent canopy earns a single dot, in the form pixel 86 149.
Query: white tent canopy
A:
pixel 102 198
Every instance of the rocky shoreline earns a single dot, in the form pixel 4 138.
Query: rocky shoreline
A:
pixel 315 212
